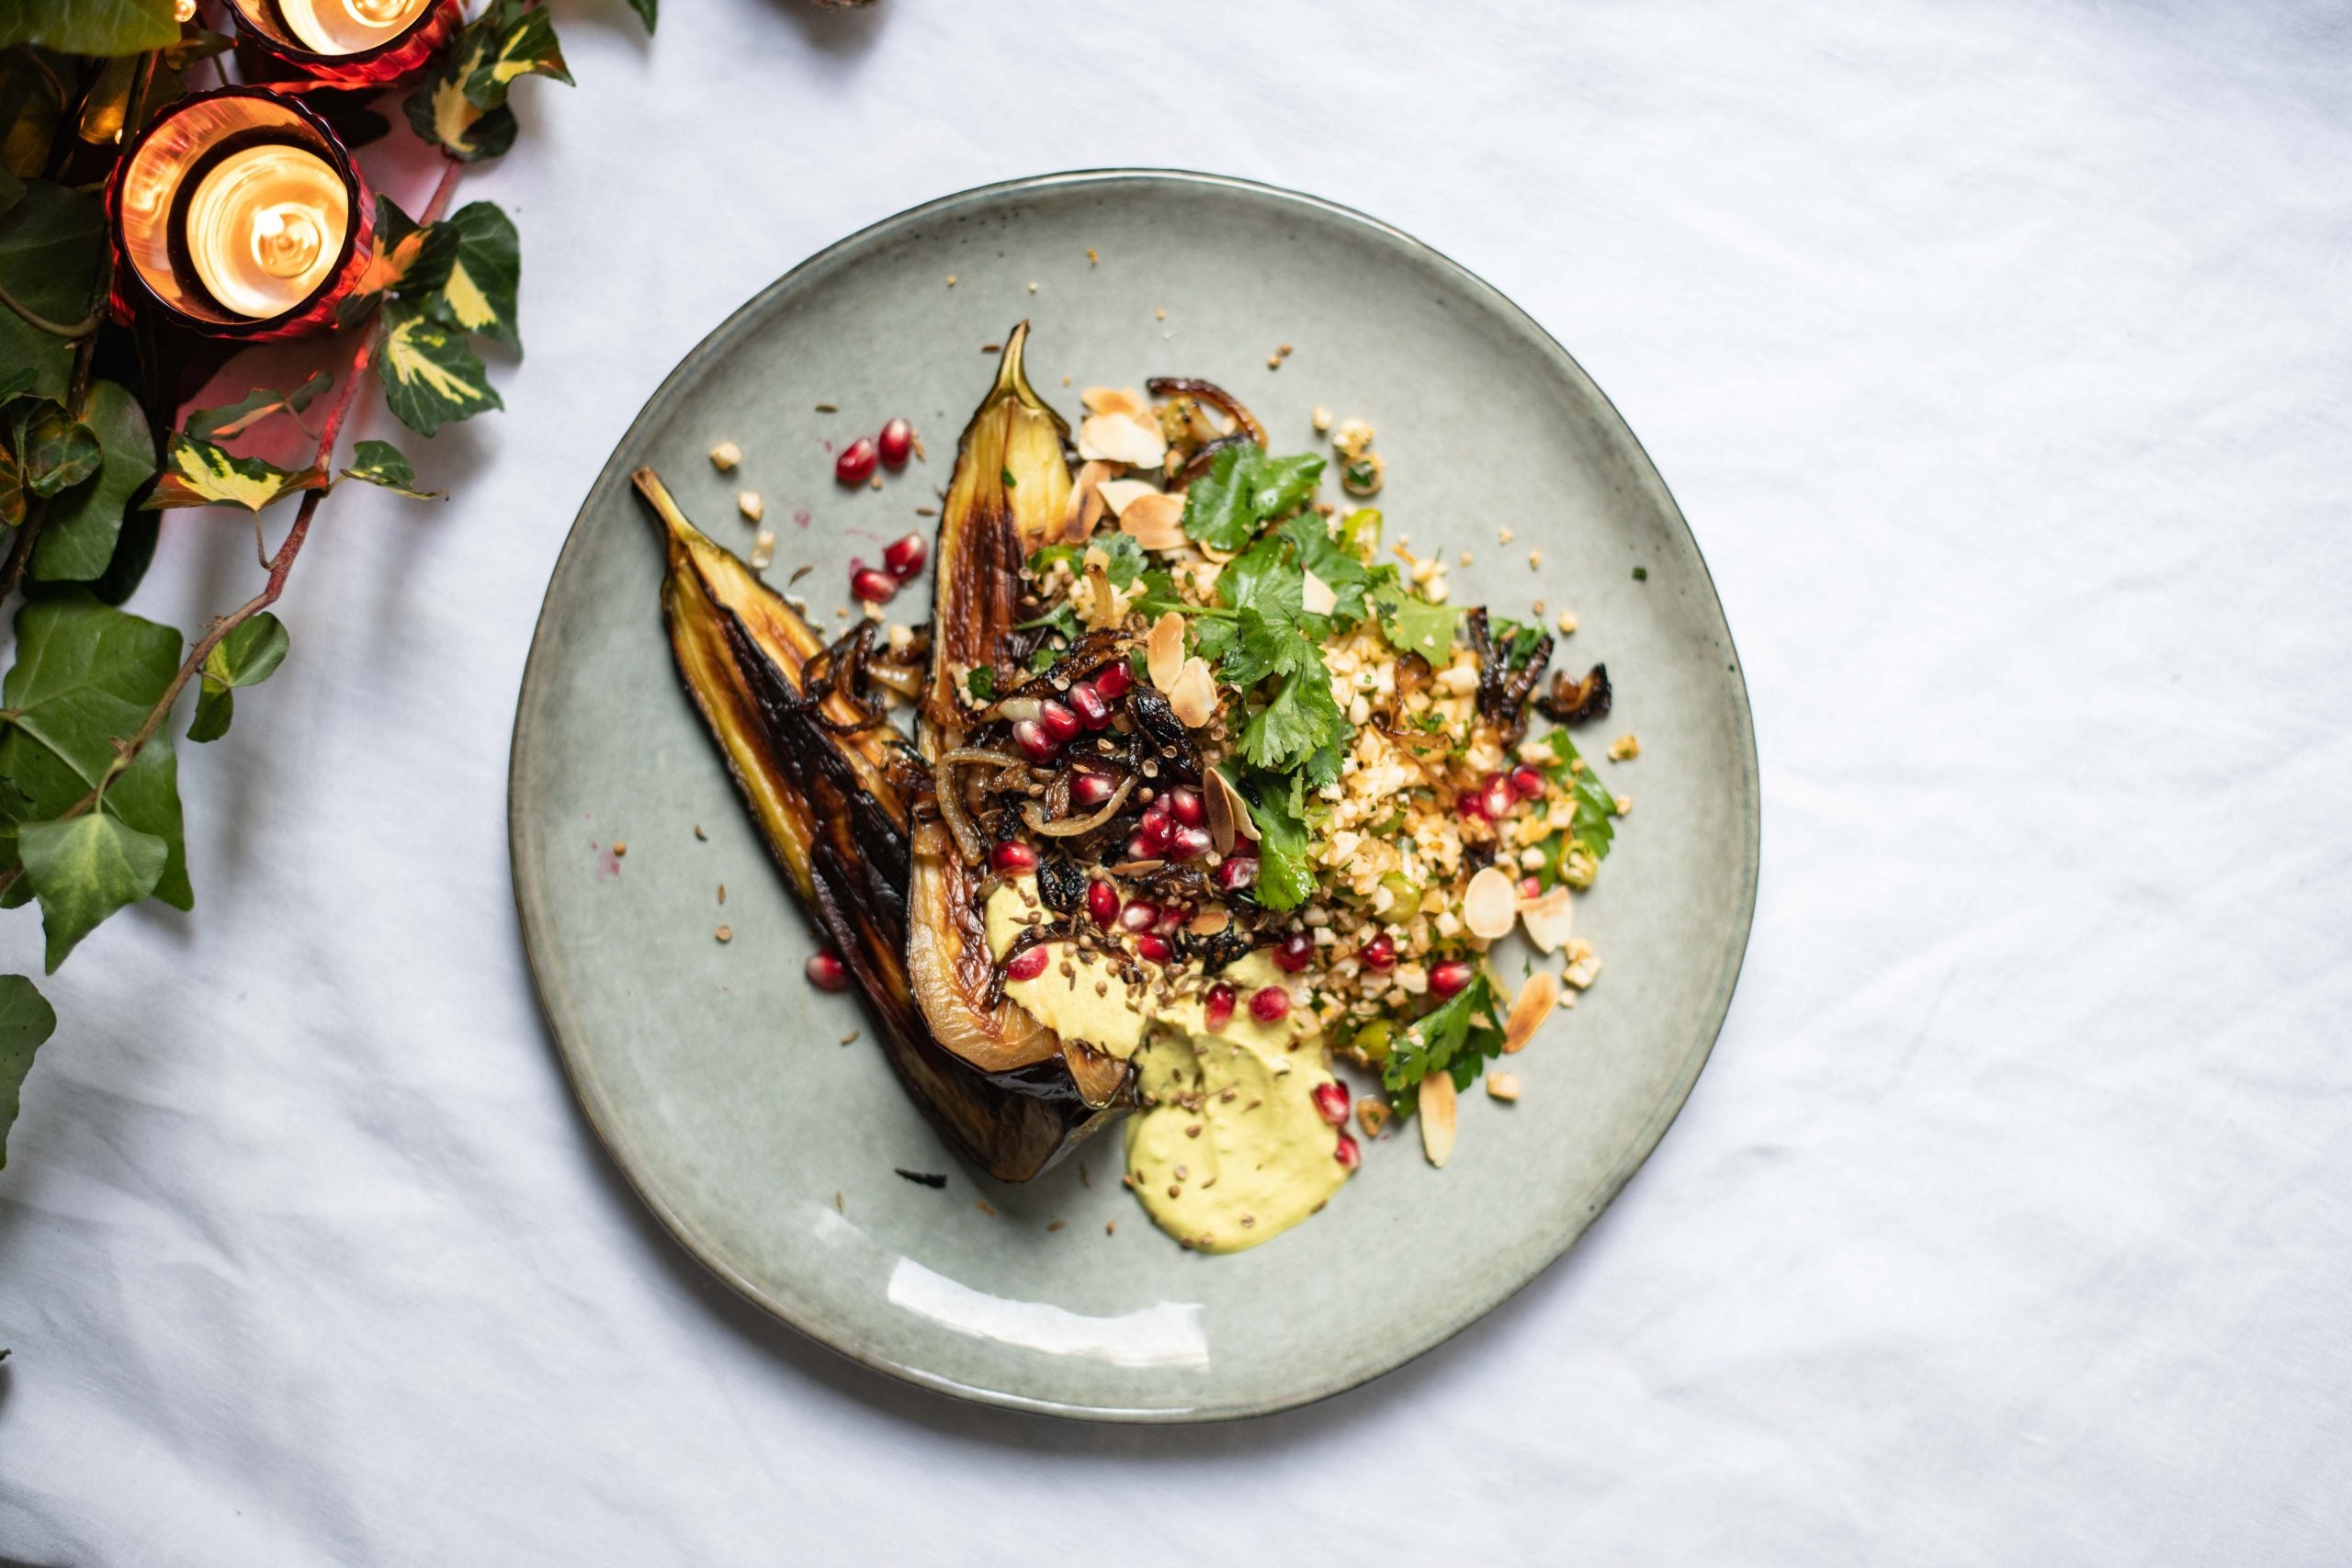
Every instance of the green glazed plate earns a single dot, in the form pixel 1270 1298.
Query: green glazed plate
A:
pixel 718 1078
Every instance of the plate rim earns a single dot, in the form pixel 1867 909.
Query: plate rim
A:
pixel 531 918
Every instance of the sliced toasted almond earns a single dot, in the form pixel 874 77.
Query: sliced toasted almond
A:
pixel 1318 599
pixel 1538 994
pixel 1116 400
pixel 1490 904
pixel 1208 922
pixel 1085 502
pixel 1164 652
pixel 1119 493
pixel 1154 521
pixel 1121 438
pixel 1437 1116
pixel 1550 919
pixel 1228 813
pixel 1193 696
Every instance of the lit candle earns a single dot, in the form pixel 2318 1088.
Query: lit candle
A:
pixel 238 213
pixel 348 27
pixel 265 228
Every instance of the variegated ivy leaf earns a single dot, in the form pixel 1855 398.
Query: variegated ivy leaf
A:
pixel 249 655
pixel 381 463
pixel 233 419
pixel 524 45
pixel 12 489
pixel 460 106
pixel 479 291
pixel 54 448
pixel 431 375
pixel 197 473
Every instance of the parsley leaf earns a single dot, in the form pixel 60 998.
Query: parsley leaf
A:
pixel 1413 624
pixel 1459 1036
pixel 1243 490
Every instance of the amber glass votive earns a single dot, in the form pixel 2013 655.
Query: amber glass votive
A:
pixel 345 43
pixel 241 214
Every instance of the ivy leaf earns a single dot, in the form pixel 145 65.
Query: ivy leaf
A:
pixel 1413 624
pixel 90 26
pixel 523 44
pixel 249 655
pixel 55 450
pixel 381 463
pixel 348 112
pixel 233 419
pixel 86 673
pixel 485 268
pixel 646 11
pixel 53 245
pixel 430 374
pixel 405 258
pixel 1244 489
pixel 84 869
pixel 198 473
pixel 12 489
pixel 77 539
pixel 26 1020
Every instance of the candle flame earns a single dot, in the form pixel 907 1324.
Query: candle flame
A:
pixel 264 226
pixel 347 27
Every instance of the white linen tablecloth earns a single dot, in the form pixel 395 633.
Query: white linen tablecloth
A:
pixel 1998 352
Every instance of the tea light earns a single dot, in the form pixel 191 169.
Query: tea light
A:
pixel 345 43
pixel 239 213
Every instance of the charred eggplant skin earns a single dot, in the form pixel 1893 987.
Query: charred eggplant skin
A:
pixel 834 797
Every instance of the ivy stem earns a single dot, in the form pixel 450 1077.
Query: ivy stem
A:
pixel 279 566
pixel 39 322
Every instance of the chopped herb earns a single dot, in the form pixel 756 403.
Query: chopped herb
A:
pixel 1458 1037
pixel 1641 574
pixel 982 683
pixel 1006 475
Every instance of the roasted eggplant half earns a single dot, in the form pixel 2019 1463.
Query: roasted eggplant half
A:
pixel 1010 494
pixel 841 799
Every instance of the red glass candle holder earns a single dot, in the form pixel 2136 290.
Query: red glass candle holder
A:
pixel 239 214
pixel 303 40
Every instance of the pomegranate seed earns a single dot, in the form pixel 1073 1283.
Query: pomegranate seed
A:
pixel 1220 1006
pixel 1139 915
pixel 1347 1154
pixel 1036 743
pixel 855 465
pixel 873 587
pixel 1155 834
pixel 1237 873
pixel 1169 919
pixel 1089 789
pixel 1269 1004
pixel 1028 964
pixel 906 556
pixel 1499 799
pixel 1530 887
pixel 1295 951
pixel 1471 806
pixel 1113 680
pixel 827 972
pixel 1013 858
pixel 896 444
pixel 1526 783
pixel 1191 843
pixel 1331 1104
pixel 1447 980
pixel 1101 902
pixel 1154 949
pixel 1091 708
pixel 1380 953
pixel 1156 815
pixel 1141 847
pixel 1059 722
pixel 1184 805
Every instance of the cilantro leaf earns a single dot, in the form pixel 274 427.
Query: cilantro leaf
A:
pixel 1336 567
pixel 1459 1037
pixel 1284 877
pixel 1413 624
pixel 1243 490
pixel 1596 822
pixel 1301 721
pixel 1127 562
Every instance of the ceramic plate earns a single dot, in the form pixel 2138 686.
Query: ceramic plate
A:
pixel 732 1094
